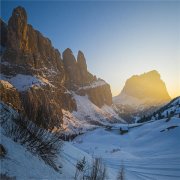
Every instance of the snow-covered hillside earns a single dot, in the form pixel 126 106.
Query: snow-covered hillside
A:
pixel 150 151
pixel 94 84
pixel 23 82
pixel 171 109
pixel 88 116
pixel 19 163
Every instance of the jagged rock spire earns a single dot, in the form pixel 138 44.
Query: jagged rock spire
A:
pixel 81 60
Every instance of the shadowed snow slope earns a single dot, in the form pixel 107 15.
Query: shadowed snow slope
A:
pixel 23 165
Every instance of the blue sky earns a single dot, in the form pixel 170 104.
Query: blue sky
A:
pixel 119 39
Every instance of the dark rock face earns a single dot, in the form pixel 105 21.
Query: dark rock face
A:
pixel 28 52
pixel 3 32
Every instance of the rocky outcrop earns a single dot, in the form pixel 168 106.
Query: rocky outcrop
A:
pixel 146 89
pixel 46 105
pixel 98 92
pixel 10 96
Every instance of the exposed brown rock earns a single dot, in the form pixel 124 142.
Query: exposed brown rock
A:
pixel 10 96
pixel 76 71
pixel 44 105
pixel 28 48
pixel 81 61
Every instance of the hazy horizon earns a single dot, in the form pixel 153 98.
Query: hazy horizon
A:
pixel 119 39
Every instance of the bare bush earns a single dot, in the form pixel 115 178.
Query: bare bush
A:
pixel 81 167
pixel 121 173
pixel 37 140
pixel 4 176
pixel 94 171
pixel 98 170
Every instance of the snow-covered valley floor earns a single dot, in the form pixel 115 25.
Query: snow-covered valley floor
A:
pixel 147 152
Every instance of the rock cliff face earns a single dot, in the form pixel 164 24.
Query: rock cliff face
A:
pixel 146 89
pixel 46 105
pixel 30 51
pixel 98 92
pixel 76 71
pixel 43 82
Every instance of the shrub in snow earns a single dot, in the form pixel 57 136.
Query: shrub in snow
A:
pixel 37 140
pixel 2 151
pixel 98 170
pixel 94 171
pixel 81 167
pixel 121 173
pixel 6 177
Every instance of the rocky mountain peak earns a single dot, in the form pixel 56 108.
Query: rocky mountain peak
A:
pixel 17 29
pixel 147 89
pixel 152 74
pixel 68 58
pixel 81 60
pixel 19 14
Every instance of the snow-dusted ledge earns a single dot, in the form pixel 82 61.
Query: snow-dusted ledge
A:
pixel 94 84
